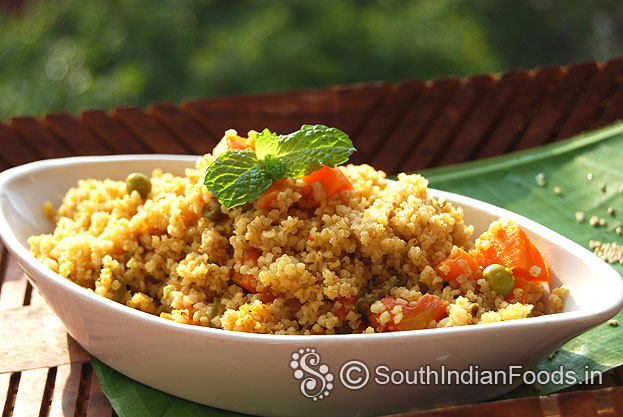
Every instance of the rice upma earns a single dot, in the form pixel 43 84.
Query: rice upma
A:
pixel 342 250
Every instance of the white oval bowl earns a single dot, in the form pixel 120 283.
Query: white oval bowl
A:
pixel 251 373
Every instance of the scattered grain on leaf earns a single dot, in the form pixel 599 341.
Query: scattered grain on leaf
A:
pixel 618 230
pixel 579 217
pixel 613 322
pixel 594 244
pixel 557 190
pixel 602 222
pixel 594 221
pixel 602 186
pixel 589 176
pixel 610 252
pixel 541 179
pixel 611 211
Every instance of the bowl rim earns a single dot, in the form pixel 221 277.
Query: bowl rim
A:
pixel 581 319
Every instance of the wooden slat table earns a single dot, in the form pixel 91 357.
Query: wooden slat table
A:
pixel 395 127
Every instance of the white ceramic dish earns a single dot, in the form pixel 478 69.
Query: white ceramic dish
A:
pixel 256 373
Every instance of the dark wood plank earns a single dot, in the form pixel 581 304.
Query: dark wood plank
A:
pixel 5 136
pixel 520 111
pixel 345 108
pixel 98 404
pixel 112 132
pixel 153 135
pixel 522 407
pixel 352 106
pixel 428 151
pixel 240 113
pixel 616 395
pixel 66 386
pixel 442 134
pixel 196 138
pixel 414 124
pixel 81 139
pixel 38 136
pixel 555 105
pixel 378 127
pixel 613 109
pixel 14 150
pixel 580 404
pixel 86 375
pixel 482 121
pixel 602 402
pixel 587 106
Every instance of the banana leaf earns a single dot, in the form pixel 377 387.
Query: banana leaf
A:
pixel 589 171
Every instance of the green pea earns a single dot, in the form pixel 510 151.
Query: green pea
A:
pixel 216 215
pixel 500 279
pixel 363 304
pixel 216 306
pixel 138 182
pixel 214 311
pixel 121 291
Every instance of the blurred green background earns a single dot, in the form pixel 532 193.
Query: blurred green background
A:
pixel 78 54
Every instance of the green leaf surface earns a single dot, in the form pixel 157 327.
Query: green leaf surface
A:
pixel 507 181
pixel 306 150
pixel 130 398
pixel 236 177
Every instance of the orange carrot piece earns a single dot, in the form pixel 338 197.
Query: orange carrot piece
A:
pixel 347 305
pixel 505 243
pixel 237 142
pixel 246 281
pixel 414 317
pixel 525 286
pixel 458 263
pixel 333 180
pixel 265 200
pixel 231 141
pixel 267 297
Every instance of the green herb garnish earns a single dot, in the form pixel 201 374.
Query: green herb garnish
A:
pixel 237 177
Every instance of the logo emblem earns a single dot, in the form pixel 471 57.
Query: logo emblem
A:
pixel 316 380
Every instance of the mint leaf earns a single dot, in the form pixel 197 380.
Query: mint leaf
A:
pixel 275 167
pixel 237 177
pixel 266 144
pixel 305 150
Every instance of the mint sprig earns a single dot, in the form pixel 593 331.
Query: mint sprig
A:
pixel 237 177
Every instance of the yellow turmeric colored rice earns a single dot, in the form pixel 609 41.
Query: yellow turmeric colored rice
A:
pixel 163 255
